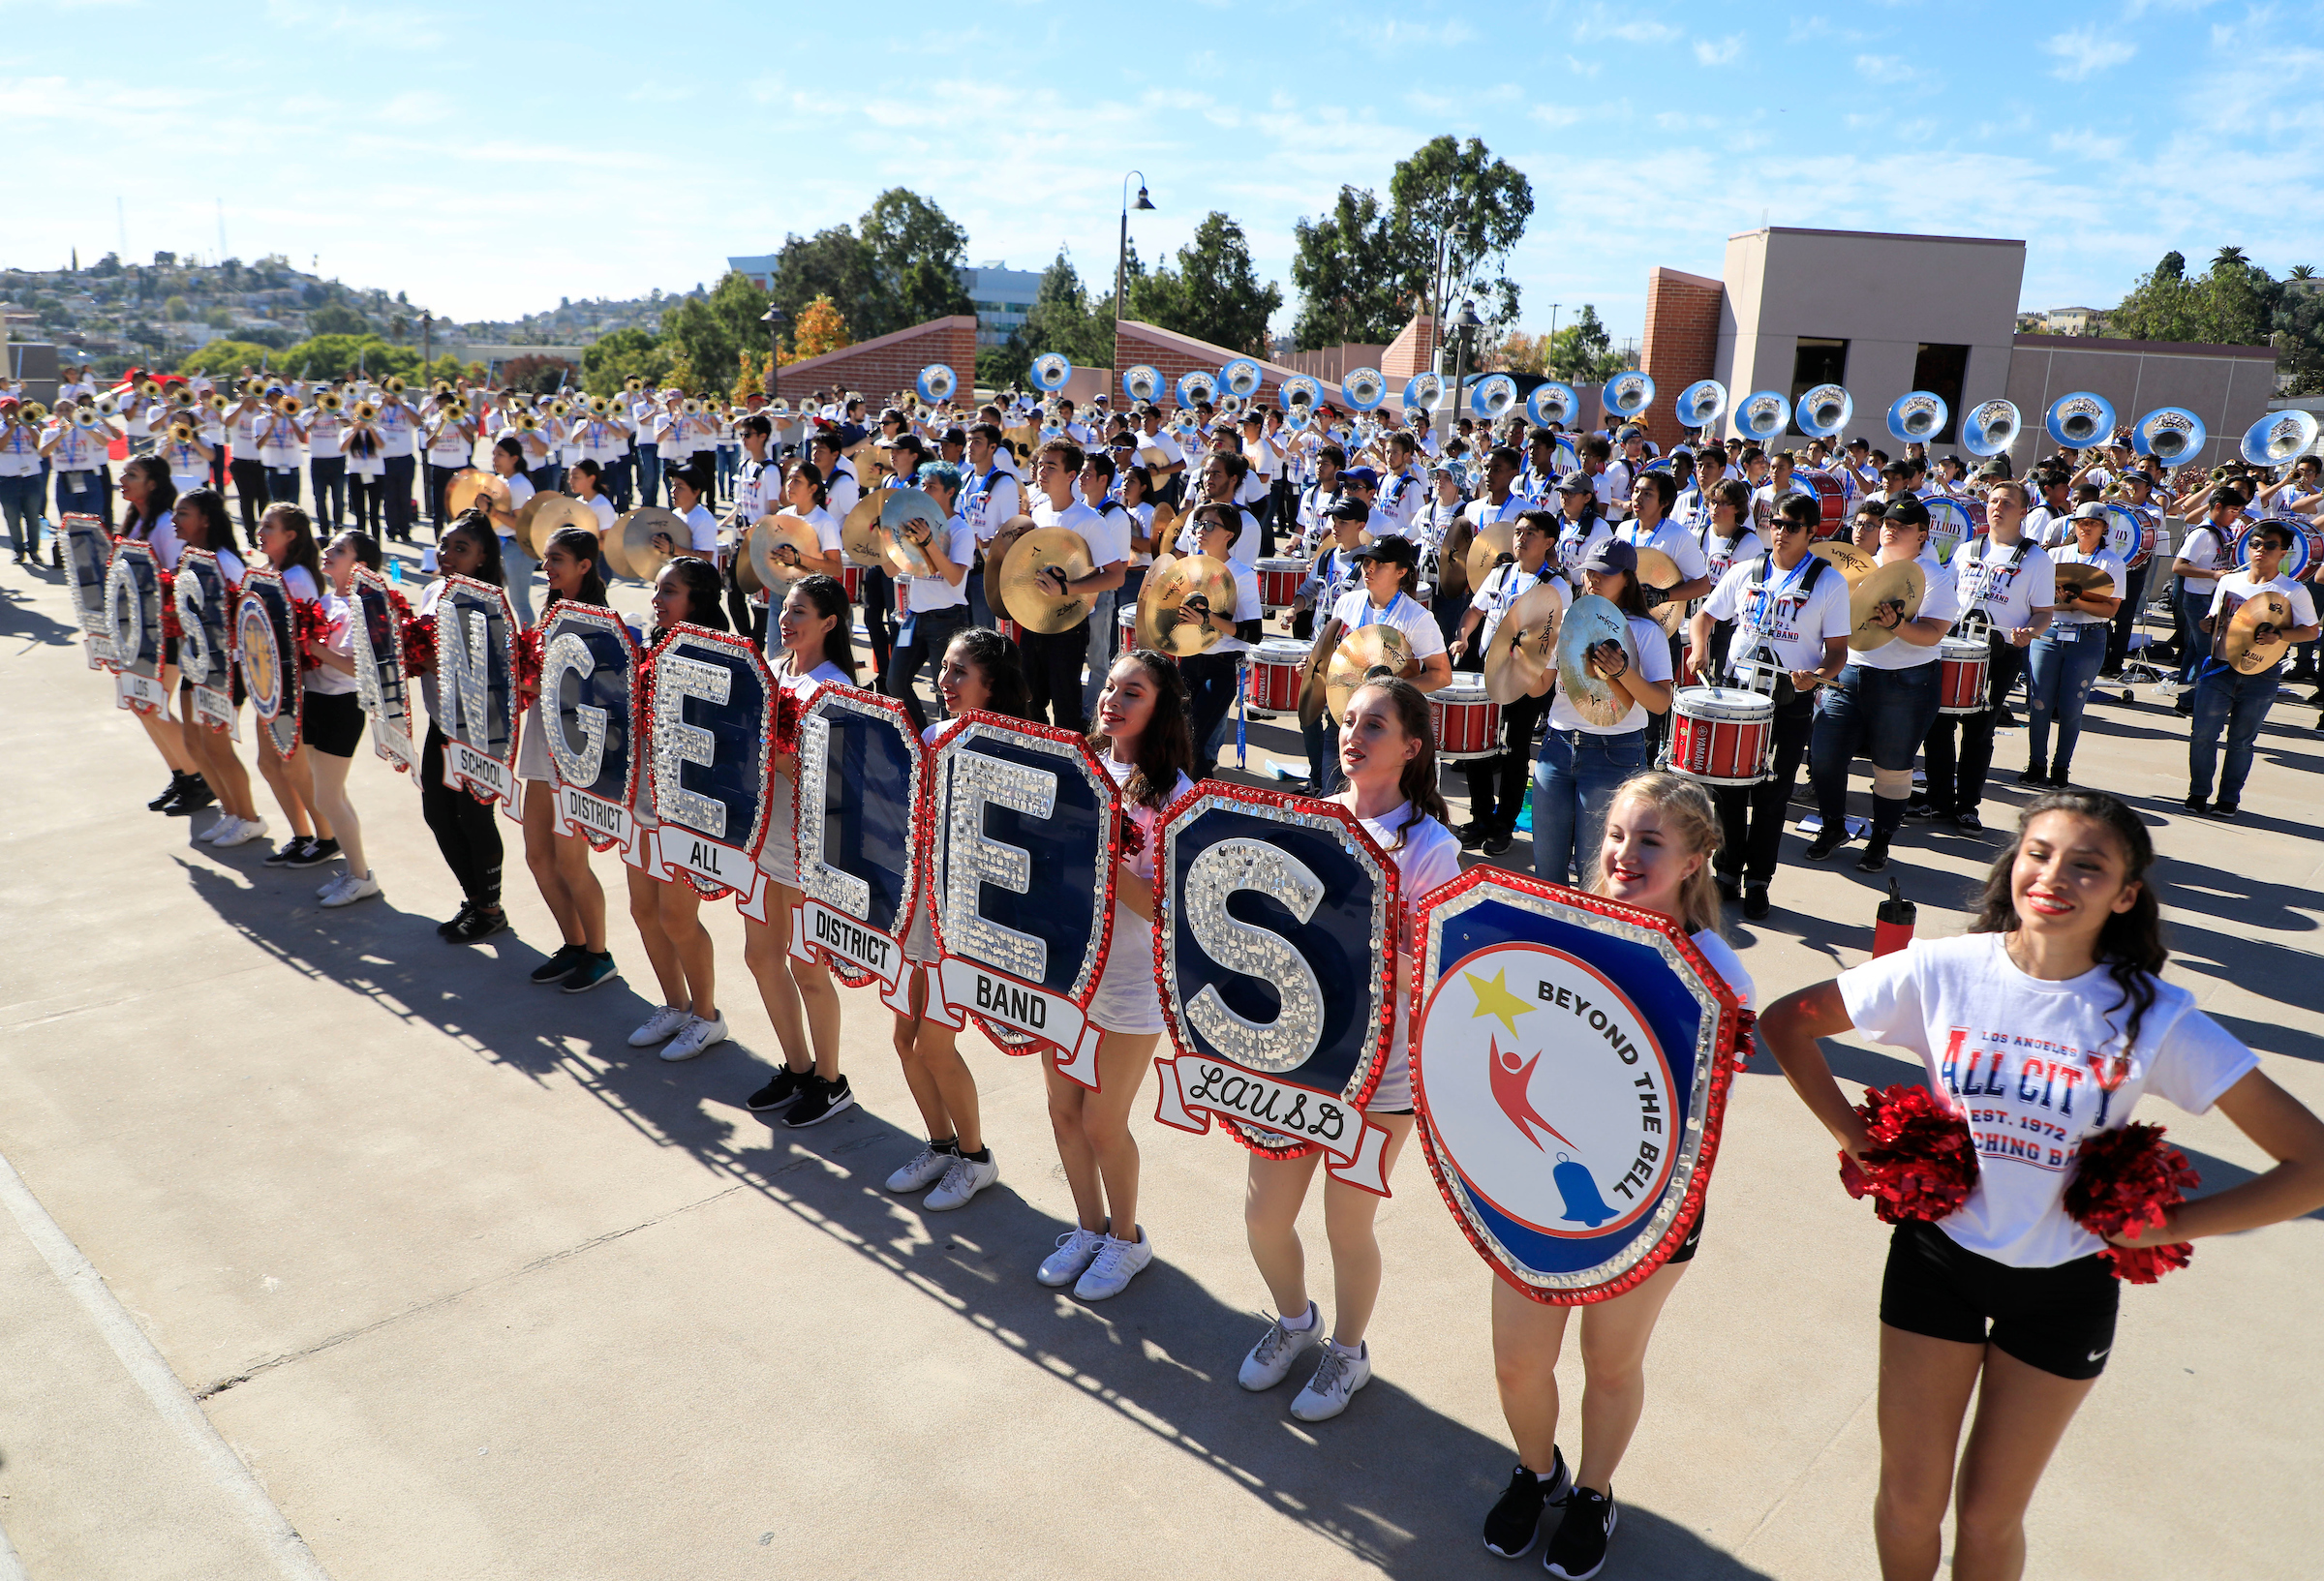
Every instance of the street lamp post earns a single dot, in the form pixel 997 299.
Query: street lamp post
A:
pixel 1464 326
pixel 1549 352
pixel 1121 258
pixel 774 318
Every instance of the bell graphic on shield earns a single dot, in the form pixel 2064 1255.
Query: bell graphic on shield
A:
pixel 1583 1204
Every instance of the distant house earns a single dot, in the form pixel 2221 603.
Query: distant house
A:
pixel 2071 322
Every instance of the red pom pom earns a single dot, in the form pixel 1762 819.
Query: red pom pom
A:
pixel 419 644
pixel 791 711
pixel 171 627
pixel 1133 835
pixel 1921 1164
pixel 528 648
pixel 309 625
pixel 2128 1181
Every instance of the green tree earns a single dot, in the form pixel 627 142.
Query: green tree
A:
pixel 227 357
pixel 710 332
pixel 998 367
pixel 177 310
pixel 1582 352
pixel 538 374
pixel 1354 270
pixel 218 317
pixel 2233 303
pixel 1213 294
pixel 1463 211
pixel 916 254
pixel 337 319
pixel 621 355
pixel 831 263
pixel 1062 319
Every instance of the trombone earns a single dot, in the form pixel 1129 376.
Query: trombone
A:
pixel 329 400
pixel 363 413
pixel 182 433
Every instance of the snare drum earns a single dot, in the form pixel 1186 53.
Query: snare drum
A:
pixel 1126 618
pixel 1961 666
pixel 1467 721
pixel 1279 582
pixel 1722 735
pixel 1831 499
pixel 1272 685
pixel 851 577
pixel 1013 632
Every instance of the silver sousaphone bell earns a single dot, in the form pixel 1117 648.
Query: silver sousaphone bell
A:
pixel 1491 397
pixel 1242 378
pixel 1142 383
pixel 1917 416
pixel 1629 393
pixel 2170 434
pixel 1051 369
pixel 1196 388
pixel 1551 402
pixel 1364 388
pixel 1762 415
pixel 1422 391
pixel 2278 438
pixel 1701 403
pixel 1825 410
pixel 2080 419
pixel 936 383
pixel 1990 428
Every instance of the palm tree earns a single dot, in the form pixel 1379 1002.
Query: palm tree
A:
pixel 2302 271
pixel 2233 256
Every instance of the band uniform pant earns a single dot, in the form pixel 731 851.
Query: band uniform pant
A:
pixel 1053 673
pixel 397 484
pixel 1958 786
pixel 1497 784
pixel 1751 817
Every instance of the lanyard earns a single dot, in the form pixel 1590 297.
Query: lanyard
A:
pixel 1380 615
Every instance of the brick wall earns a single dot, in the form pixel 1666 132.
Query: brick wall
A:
pixel 876 369
pixel 1681 343
pixel 1172 354
pixel 1412 352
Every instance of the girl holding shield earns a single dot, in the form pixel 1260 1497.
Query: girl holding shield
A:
pixel 467 831
pixel 287 538
pixel 204 523
pixel 559 862
pixel 1387 757
pixel 1655 853
pixel 333 719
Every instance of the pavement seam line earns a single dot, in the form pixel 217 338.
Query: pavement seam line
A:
pixel 213 1390
pixel 162 1386
pixel 1767 1517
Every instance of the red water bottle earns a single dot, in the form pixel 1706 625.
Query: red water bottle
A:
pixel 1892 929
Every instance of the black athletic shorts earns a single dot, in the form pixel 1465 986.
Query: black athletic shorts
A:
pixel 2060 1319
pixel 1687 1248
pixel 331 722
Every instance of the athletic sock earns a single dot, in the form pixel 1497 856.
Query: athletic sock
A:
pixel 1308 1319
pixel 983 1155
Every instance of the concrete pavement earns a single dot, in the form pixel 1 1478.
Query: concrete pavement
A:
pixel 474 1290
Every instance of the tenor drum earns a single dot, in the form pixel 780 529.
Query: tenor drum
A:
pixel 1012 630
pixel 1722 735
pixel 1279 582
pixel 1961 666
pixel 1126 618
pixel 1272 683
pixel 851 577
pixel 1467 721
pixel 1831 499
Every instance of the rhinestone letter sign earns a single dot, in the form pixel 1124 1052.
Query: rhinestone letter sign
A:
pixel 89 555
pixel 377 646
pixel 1569 1061
pixel 1027 828
pixel 266 642
pixel 133 616
pixel 1271 952
pixel 861 773
pixel 206 646
pixel 476 684
pixel 588 673
pixel 709 710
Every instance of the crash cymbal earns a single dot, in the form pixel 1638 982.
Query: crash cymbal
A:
pixel 996 561
pixel 1030 602
pixel 2244 647
pixel 907 519
pixel 1657 569
pixel 1171 604
pixel 1900 583
pixel 1153 455
pixel 547 513
pixel 1452 558
pixel 1522 656
pixel 859 534
pixel 1589 622
pixel 2076 580
pixel 1489 547
pixel 1853 561
pixel 469 487
pixel 1314 669
pixel 630 546
pixel 1165 526
pixel 1023 437
pixel 1360 653
pixel 771 549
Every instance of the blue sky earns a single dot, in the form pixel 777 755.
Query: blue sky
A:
pixel 491 160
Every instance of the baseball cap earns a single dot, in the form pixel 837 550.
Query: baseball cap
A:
pixel 1348 510
pixel 2089 508
pixel 1364 476
pixel 1612 554
pixel 1391 551
pixel 1575 483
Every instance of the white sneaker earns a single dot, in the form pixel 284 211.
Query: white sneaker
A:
pixel 694 1037
pixel 662 1024
pixel 1270 1361
pixel 322 891
pixel 927 1168
pixel 226 825
pixel 245 831
pixel 1118 1262
pixel 1077 1249
pixel 962 1180
pixel 350 888
pixel 1334 1384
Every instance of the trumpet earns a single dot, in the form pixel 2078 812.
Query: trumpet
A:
pixel 254 386
pixel 86 418
pixel 106 405
pixel 329 400
pixel 32 411
pixel 365 411
pixel 454 409
pixel 180 396
pixel 393 385
pixel 150 388
pixel 598 406
pixel 691 406
pixel 526 421
pixel 287 406
pixel 560 407
pixel 442 386
pixel 633 384
pixel 218 400
pixel 182 433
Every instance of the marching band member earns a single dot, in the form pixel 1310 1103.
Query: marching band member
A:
pixel 1581 764
pixel 1884 700
pixel 365 455
pixel 1728 533
pixel 203 523
pixel 1114 548
pixel 2012 580
pixel 509 466
pixel 936 606
pixel 585 478
pixel 150 502
pixel 78 454
pixel 803 494
pixel 1389 568
pixel 668 911
pixel 1403 492
pixel 1497 784
pixel 1657 853
pixel 559 862
pixel 1141 737
pixel 451 447
pixel 326 462
pixel 1169 472
pixel 1319 496
pixel 2063 954
pixel 1699 500
pixel 979 672
pixel 398 429
pixel 1387 757
pixel 1053 660
pixel 333 720
pixel 2228 699
pixel 1212 676
pixel 2064 661
pixel 22 486
pixel 1791 613
pixel 282 443
pixel 2210 529
pixel 467 831
pixel 1581 528
pixel 1649 526
pixel 182 451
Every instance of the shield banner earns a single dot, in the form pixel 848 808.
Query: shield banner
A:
pixel 588 707
pixel 1025 831
pixel 709 718
pixel 205 603
pixel 1570 1063
pixel 382 685
pixel 476 685
pixel 863 771
pixel 266 645
pixel 133 618
pixel 88 557
pixel 1273 915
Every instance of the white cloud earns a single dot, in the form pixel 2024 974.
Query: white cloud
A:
pixel 1718 52
pixel 1890 69
pixel 2084 51
pixel 1602 24
pixel 2082 143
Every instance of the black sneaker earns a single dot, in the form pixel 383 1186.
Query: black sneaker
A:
pixel 1474 831
pixel 1756 904
pixel 317 853
pixel 1920 807
pixel 786 1089
pixel 1876 856
pixel 2058 778
pixel 819 1102
pixel 193 797
pixel 2198 805
pixel 169 793
pixel 1578 1550
pixel 286 854
pixel 2225 810
pixel 1827 840
pixel 2185 705
pixel 1969 823
pixel 1730 888
pixel 591 970
pixel 1499 842
pixel 474 924
pixel 1513 1525
pixel 2036 778
pixel 559 967
pixel 459 919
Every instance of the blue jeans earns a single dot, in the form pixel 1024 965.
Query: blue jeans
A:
pixel 81 494
pixel 2195 607
pixel 2239 704
pixel 649 475
pixel 282 485
pixel 1102 632
pixel 729 457
pixel 2061 666
pixel 1322 741
pixel 20 505
pixel 1884 715
pixel 1573 783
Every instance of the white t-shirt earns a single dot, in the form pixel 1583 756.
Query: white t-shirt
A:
pixel 1431 858
pixel 1940 602
pixel 1399 504
pixel 1672 540
pixel 1109 535
pixel 1128 977
pixel 2105 559
pixel 1504 585
pixel 925 593
pixel 1406 614
pixel 2232 590
pixel 1653 644
pixel 840 490
pixel 454 445
pixel 702 524
pixel 2028 1063
pixel 1729 966
pixel 520 495
pixel 1720 553
pixel 323 679
pixel 604 509
pixel 1573 546
pixel 1246 606
pixel 1794 623
pixel 2009 581
pixel 2202 548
